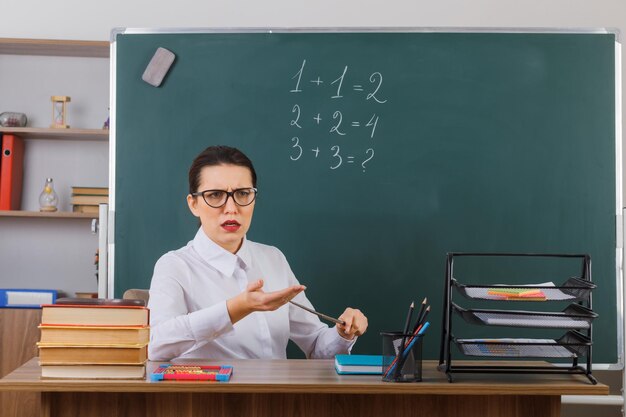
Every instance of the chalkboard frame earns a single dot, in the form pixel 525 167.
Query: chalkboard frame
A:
pixel 619 212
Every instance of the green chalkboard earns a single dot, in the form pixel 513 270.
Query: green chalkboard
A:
pixel 377 153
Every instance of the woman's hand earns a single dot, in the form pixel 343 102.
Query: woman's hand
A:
pixel 356 323
pixel 255 299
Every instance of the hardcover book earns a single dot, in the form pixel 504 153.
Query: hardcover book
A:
pixel 94 371
pixel 359 364
pixel 94 315
pixel 61 354
pixel 90 199
pixel 94 335
pixel 72 301
pixel 90 190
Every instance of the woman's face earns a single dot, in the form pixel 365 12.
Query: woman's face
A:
pixel 228 224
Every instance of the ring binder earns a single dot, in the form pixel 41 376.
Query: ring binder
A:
pixel 11 172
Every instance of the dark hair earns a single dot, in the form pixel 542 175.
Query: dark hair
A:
pixel 218 155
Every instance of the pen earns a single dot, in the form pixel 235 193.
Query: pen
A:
pixel 324 316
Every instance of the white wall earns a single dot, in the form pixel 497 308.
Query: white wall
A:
pixel 69 19
pixel 44 252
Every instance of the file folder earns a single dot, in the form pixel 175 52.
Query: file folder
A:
pixel 26 298
pixel 11 172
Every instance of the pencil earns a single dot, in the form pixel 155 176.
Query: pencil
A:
pixel 422 319
pixel 404 332
pixel 419 315
pixel 408 317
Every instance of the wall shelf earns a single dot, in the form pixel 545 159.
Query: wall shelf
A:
pixel 35 70
pixel 58 134
pixel 54 47
pixel 56 214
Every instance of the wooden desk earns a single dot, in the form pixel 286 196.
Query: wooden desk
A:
pixel 19 336
pixel 303 388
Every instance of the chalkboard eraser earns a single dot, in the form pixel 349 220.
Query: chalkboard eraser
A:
pixel 158 67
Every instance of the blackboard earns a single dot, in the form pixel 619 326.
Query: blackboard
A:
pixel 378 153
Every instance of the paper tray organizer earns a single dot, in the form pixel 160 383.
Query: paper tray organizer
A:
pixel 574 289
pixel 570 345
pixel 576 318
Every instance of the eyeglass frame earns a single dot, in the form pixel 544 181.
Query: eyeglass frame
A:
pixel 229 194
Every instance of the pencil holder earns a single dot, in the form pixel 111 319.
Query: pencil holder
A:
pixel 402 365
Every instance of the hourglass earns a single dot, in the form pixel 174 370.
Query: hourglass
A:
pixel 58 111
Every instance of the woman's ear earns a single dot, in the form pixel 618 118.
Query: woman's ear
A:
pixel 192 202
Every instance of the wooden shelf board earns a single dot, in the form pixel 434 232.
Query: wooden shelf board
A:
pixel 59 134
pixel 53 47
pixel 56 214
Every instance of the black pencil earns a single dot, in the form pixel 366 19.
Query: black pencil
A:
pixel 405 331
pixel 423 319
pixel 419 315
pixel 408 317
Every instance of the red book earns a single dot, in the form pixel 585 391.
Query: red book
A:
pixel 11 172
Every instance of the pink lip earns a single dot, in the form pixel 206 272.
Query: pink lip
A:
pixel 231 225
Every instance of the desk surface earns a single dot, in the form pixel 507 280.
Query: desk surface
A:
pixel 312 376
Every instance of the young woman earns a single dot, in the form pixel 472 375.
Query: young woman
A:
pixel 223 296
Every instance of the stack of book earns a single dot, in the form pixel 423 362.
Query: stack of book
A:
pixel 87 199
pixel 94 338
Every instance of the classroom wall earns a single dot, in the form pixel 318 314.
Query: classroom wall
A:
pixel 43 252
pixel 91 20
pixel 79 19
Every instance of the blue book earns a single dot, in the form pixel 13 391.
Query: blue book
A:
pixel 26 298
pixel 359 364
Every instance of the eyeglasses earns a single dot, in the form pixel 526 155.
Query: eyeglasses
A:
pixel 218 198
